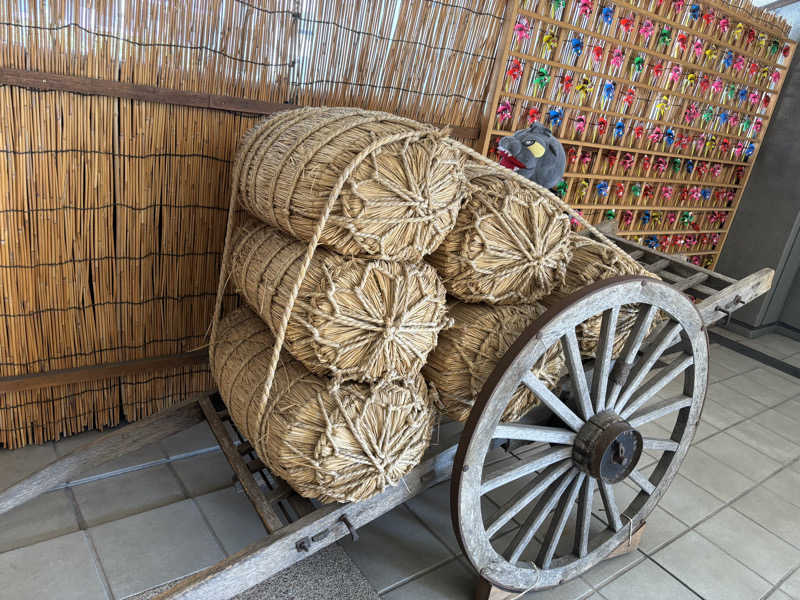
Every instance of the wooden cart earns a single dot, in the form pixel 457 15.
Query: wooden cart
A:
pixel 585 438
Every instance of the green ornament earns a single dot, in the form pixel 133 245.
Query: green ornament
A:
pixel 636 189
pixel 561 188
pixel 686 217
pixel 638 63
pixel 708 114
pixel 731 91
pixel 746 124
pixel 611 214
pixel 665 37
pixel 774 46
pixel 542 77
pixel 676 165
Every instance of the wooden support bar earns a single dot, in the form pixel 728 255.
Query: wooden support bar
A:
pixel 148 93
pixel 19 383
pixel 243 474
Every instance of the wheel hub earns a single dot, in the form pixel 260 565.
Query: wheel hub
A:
pixel 607 447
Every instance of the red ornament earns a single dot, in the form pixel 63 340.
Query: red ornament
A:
pixel 597 53
pixel 627 23
pixel 638 131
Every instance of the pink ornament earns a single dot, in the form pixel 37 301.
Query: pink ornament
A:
pixel 738 63
pixel 724 24
pixel 757 125
pixel 616 57
pixel 698 48
pixel 776 76
pixel 716 86
pixel 754 97
pixel 646 30
pixel 675 73
pixel 522 29
pixel 666 192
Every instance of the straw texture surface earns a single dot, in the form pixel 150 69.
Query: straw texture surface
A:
pixel 468 352
pixel 591 262
pixel 398 203
pixel 356 318
pixel 509 243
pixel 334 442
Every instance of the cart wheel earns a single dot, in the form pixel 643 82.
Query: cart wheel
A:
pixel 591 448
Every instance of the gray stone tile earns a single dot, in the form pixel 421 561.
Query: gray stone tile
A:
pixel 709 571
pixel 394 548
pixel 127 494
pixel 713 476
pixel 785 484
pixel 759 385
pixel 733 400
pixel 719 416
pixel 66 445
pixel 771 512
pixel 779 423
pixel 62 568
pixel 233 518
pixel 193 439
pixel 688 502
pixel 718 371
pixel 661 528
pixel 791 586
pixel 448 582
pixel 610 568
pixel 765 441
pixel 739 456
pixel 48 516
pixel 790 408
pixel 577 589
pixel 204 473
pixel 17 464
pixel 779 595
pixel 733 360
pixel 780 345
pixel 793 360
pixel 148 549
pixel 704 430
pixel 647 580
pixel 760 550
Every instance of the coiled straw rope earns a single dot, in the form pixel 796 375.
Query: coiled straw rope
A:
pixel 355 318
pixel 336 442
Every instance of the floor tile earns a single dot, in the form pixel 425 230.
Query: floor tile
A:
pixel 127 494
pixel 577 589
pixel 394 548
pixel 148 549
pixel 739 456
pixel 66 445
pixel 610 568
pixel 779 595
pixel 647 580
pixel 779 344
pixel 661 529
pixel 785 484
pixel 771 512
pixel 204 473
pixel 17 464
pixel 779 423
pixel 793 360
pixel 61 568
pixel 704 430
pixel 765 441
pixel 233 518
pixel 688 502
pixel 790 408
pixel 718 371
pixel 719 416
pixel 791 586
pixel 709 571
pixel 733 400
pixel 48 516
pixel 193 439
pixel 451 581
pixel 751 544
pixel 756 384
pixel 713 476
pixel 732 360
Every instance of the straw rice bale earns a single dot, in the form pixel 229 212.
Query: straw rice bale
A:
pixel 361 319
pixel 468 351
pixel 400 196
pixel 333 442
pixel 509 243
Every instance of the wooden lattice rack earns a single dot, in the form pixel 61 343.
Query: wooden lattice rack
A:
pixel 662 128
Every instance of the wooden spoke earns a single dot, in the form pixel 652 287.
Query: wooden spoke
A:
pixel 525 496
pixel 612 512
pixel 515 471
pixel 655 385
pixel 642 481
pixel 645 364
pixel 659 410
pixel 556 529
pixel 605 349
pixel 537 517
pixel 552 402
pixel 584 518
pixel 534 433
pixel 632 345
pixel 569 344
pixel 658 444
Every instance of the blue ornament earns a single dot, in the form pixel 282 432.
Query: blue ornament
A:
pixel 607 15
pixel 694 11
pixel 751 147
pixel 577 45
pixel 727 60
pixel 669 136
pixel 619 129
pixel 555 116
pixel 602 188
pixel 743 94
pixel 608 89
pixel 705 193
pixel 689 166
pixel 645 217
pixel 651 241
pixel 723 118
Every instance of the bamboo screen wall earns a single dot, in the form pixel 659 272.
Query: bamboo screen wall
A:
pixel 661 105
pixel 113 181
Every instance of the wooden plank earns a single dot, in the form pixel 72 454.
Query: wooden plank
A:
pixel 735 296
pixel 148 93
pixel 242 472
pixel 108 446
pixel 19 383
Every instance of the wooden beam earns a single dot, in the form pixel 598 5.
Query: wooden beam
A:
pixel 147 93
pixel 35 381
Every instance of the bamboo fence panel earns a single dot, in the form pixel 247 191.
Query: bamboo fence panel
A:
pixel 113 210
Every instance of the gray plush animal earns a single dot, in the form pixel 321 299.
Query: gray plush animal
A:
pixel 534 153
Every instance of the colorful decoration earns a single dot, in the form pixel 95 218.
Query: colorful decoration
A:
pixel 523 30
pixel 515 70
pixel 504 111
pixel 555 116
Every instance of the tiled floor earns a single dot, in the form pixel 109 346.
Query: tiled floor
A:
pixel 728 528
